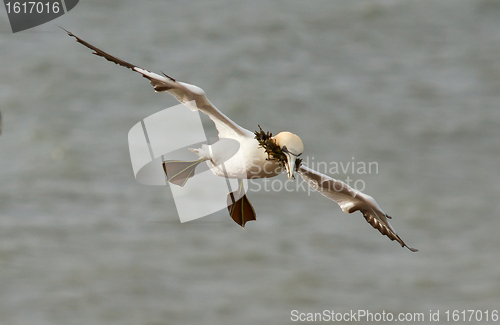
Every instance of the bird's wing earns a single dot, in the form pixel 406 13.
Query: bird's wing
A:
pixel 351 200
pixel 183 92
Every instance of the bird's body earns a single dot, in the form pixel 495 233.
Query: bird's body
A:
pixel 249 161
pixel 243 154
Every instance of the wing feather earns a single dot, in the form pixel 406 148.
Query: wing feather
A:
pixel 183 92
pixel 351 200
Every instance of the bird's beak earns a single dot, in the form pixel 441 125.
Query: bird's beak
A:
pixel 290 165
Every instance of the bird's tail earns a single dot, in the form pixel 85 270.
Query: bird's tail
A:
pixel 179 171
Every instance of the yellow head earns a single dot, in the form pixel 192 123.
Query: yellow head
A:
pixel 292 147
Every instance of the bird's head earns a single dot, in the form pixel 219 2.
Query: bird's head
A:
pixel 292 147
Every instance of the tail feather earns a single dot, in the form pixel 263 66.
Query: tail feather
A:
pixel 178 171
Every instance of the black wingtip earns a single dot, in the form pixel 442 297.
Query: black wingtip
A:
pixel 100 52
pixel 67 31
pixel 403 244
pixel 166 75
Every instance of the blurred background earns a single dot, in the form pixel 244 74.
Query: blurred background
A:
pixel 411 85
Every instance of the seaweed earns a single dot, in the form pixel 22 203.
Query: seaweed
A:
pixel 274 152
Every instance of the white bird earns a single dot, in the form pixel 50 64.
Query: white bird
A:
pixel 259 155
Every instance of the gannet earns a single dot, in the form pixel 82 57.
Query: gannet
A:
pixel 260 155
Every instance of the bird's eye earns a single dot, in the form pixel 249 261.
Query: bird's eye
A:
pixel 285 149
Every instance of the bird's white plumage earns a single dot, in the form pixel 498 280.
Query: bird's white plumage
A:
pixel 250 159
pixel 350 200
pixel 186 93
